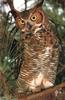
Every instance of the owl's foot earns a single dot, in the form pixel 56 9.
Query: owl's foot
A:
pixel 47 83
pixel 34 87
pixel 35 84
pixel 35 90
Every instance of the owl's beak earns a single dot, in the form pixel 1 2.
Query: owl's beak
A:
pixel 29 26
pixel 23 30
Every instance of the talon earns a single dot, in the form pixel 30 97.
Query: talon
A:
pixel 47 84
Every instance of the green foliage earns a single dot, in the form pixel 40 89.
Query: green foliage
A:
pixel 56 14
pixel 9 51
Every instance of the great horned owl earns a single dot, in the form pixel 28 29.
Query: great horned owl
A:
pixel 40 52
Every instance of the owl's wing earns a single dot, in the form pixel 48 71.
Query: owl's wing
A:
pixel 54 60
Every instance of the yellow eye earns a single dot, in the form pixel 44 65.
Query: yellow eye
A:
pixel 22 21
pixel 33 18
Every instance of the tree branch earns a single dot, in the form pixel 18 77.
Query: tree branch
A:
pixel 55 93
pixel 4 83
pixel 14 12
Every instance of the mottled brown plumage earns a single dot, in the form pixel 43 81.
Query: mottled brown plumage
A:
pixel 40 54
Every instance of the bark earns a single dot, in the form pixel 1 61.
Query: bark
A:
pixel 55 93
pixel 4 83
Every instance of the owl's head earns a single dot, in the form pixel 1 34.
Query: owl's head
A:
pixel 32 20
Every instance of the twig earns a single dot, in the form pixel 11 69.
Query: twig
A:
pixel 5 85
pixel 14 12
pixel 25 5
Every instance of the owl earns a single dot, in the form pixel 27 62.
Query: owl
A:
pixel 40 52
